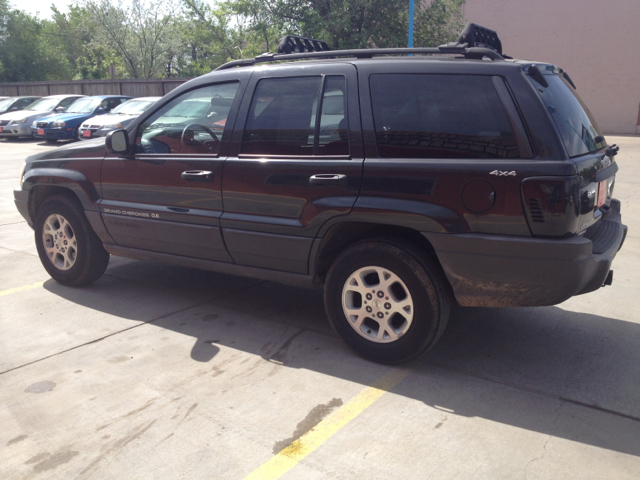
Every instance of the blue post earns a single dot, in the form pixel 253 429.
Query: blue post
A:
pixel 410 23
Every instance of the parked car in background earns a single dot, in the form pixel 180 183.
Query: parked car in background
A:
pixel 17 124
pixel 12 104
pixel 120 117
pixel 66 126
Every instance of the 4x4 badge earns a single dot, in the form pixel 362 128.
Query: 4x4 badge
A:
pixel 503 174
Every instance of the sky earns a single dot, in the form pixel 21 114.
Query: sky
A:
pixel 43 7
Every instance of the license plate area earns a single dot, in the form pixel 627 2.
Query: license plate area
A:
pixel 86 133
pixel 41 131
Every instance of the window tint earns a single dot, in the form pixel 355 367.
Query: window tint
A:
pixel 440 116
pixel 573 119
pixel 68 101
pixel 192 123
pixel 279 121
pixel 283 118
pixel 333 131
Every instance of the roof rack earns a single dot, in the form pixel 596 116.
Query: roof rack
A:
pixel 481 42
pixel 291 43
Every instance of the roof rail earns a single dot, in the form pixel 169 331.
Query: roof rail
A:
pixel 479 42
pixel 473 52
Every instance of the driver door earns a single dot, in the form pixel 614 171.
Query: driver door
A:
pixel 168 198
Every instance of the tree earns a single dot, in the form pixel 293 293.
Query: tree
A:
pixel 27 53
pixel 438 23
pixel 355 23
pixel 143 33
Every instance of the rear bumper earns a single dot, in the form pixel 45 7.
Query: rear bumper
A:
pixel 509 271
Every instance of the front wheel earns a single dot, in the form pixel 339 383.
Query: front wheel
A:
pixel 68 248
pixel 387 301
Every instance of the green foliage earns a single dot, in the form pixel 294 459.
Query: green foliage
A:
pixel 143 32
pixel 27 52
pixel 154 38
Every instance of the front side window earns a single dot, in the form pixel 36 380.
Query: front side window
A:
pixel 283 116
pixel 68 101
pixel 84 105
pixel 192 123
pixel 440 116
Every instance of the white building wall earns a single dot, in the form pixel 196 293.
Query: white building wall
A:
pixel 596 42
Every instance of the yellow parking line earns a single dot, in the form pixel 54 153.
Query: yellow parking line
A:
pixel 307 443
pixel 20 289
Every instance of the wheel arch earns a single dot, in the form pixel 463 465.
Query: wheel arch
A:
pixel 44 182
pixel 344 234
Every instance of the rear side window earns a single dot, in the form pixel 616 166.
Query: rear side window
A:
pixel 572 117
pixel 286 118
pixel 440 116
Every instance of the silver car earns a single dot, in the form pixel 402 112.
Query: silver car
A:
pixel 18 124
pixel 12 104
pixel 120 117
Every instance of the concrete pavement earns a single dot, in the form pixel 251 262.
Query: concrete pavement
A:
pixel 157 371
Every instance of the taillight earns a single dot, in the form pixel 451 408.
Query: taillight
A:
pixel 551 206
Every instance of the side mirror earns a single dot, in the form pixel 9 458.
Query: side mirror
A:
pixel 59 109
pixel 100 111
pixel 118 142
pixel 13 109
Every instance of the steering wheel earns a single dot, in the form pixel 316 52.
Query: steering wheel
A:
pixel 186 139
pixel 329 129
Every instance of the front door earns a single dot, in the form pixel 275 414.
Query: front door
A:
pixel 168 199
pixel 295 162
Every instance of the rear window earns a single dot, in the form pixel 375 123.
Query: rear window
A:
pixel 440 116
pixel 572 117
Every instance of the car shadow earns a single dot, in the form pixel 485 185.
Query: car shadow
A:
pixel 548 370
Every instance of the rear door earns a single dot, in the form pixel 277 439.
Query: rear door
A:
pixel 447 150
pixel 295 162
pixel 168 198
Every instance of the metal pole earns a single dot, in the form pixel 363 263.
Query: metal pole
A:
pixel 410 24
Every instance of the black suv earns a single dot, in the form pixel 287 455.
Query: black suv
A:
pixel 401 183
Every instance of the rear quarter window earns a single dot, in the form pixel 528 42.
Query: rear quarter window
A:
pixel 571 115
pixel 440 116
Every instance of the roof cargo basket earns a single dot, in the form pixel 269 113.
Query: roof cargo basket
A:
pixel 476 36
pixel 292 44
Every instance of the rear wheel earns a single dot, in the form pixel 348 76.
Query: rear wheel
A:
pixel 69 249
pixel 387 301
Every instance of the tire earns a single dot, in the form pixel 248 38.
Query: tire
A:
pixel 76 134
pixel 69 249
pixel 400 321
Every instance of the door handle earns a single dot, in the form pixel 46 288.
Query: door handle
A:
pixel 197 176
pixel 328 180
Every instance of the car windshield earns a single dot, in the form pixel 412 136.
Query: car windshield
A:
pixel 84 105
pixel 44 105
pixel 6 103
pixel 133 107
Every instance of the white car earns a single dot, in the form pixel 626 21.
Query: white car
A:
pixel 18 124
pixel 120 117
